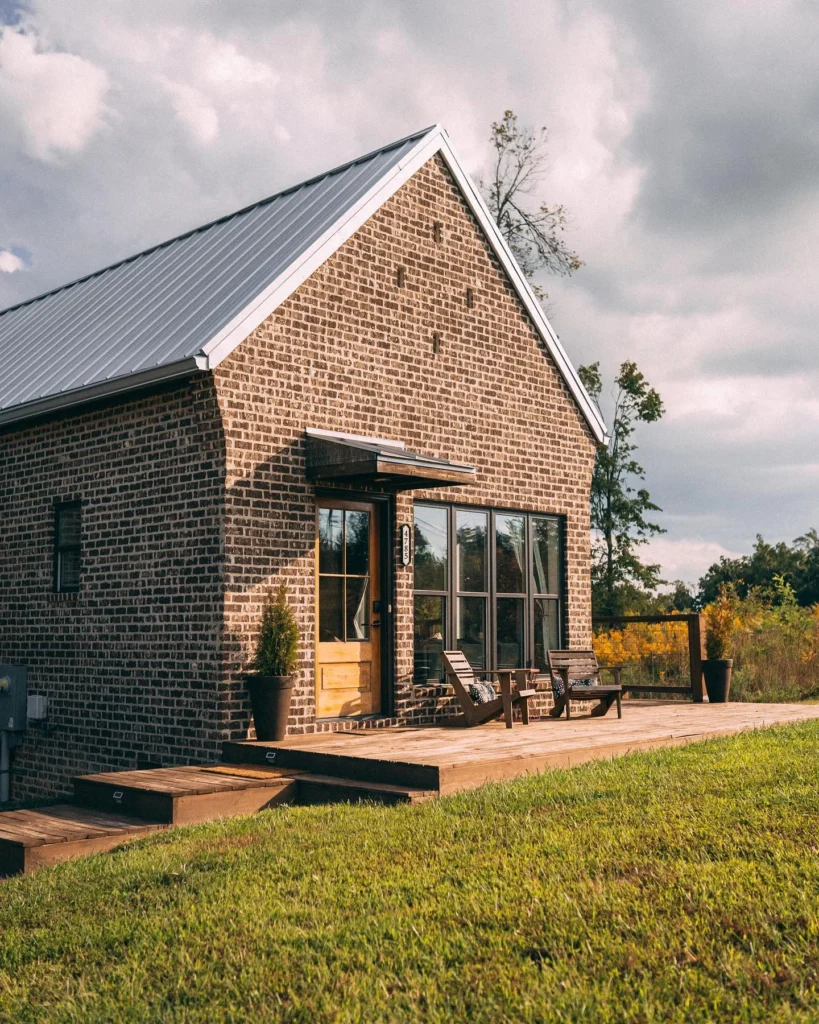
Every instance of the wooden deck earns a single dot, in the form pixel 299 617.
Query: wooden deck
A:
pixel 448 760
pixel 386 765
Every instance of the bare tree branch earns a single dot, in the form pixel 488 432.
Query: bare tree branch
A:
pixel 533 235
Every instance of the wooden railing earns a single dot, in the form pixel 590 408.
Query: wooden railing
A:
pixel 696 651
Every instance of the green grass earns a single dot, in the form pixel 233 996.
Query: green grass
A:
pixel 681 885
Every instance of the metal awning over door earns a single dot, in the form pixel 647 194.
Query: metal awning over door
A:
pixel 347 457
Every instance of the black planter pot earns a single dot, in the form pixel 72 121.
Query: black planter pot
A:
pixel 717 673
pixel 270 700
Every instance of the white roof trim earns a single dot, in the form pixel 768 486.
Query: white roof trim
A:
pixel 255 314
pixel 522 287
pixel 101 389
pixel 434 141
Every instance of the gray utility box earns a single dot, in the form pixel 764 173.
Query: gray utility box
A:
pixel 13 692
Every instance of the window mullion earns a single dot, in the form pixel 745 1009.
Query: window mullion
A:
pixel 492 582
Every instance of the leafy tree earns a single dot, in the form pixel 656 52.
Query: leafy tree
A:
pixel 763 570
pixel 532 229
pixel 620 580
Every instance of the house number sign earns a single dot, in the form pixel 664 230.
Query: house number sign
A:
pixel 406 549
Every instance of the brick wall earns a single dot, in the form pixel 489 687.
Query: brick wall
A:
pixel 352 351
pixel 130 665
pixel 195 499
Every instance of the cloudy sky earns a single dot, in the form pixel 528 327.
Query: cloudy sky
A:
pixel 684 140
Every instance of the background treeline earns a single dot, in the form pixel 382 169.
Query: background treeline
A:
pixel 758 574
pixel 797 564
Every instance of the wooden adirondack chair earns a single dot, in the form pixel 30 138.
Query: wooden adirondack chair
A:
pixel 567 667
pixel 461 674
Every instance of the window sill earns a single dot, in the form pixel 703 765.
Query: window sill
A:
pixel 72 598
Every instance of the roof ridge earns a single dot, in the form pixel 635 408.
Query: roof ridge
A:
pixel 220 220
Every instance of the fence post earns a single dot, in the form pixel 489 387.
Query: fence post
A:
pixel 696 652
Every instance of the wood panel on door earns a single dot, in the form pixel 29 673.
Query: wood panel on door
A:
pixel 348 603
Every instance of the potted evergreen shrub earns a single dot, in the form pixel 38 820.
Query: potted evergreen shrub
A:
pixel 719 623
pixel 271 685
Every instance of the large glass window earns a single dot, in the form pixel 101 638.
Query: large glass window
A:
pixel 471 532
pixel 488 583
pixel 510 586
pixel 546 577
pixel 431 548
pixel 431 568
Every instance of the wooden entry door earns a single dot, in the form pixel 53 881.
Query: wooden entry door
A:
pixel 348 619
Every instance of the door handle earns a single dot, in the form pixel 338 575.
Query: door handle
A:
pixel 375 624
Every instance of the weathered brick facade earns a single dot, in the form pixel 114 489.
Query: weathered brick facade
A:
pixel 130 664
pixel 195 499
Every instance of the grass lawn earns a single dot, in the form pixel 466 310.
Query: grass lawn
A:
pixel 681 885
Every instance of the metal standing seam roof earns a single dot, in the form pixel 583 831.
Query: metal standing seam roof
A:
pixel 186 304
pixel 164 305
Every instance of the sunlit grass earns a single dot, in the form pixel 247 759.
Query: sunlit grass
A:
pixel 680 885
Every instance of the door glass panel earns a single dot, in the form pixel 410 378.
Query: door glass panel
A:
pixel 358 608
pixel 471 529
pixel 472 630
pixel 431 552
pixel 331 524
pixel 430 615
pixel 546 555
pixel 331 608
pixel 510 552
pixel 546 630
pixel 358 543
pixel 510 632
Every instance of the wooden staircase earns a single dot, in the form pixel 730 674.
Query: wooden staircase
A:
pixel 186 796
pixel 38 838
pixel 114 807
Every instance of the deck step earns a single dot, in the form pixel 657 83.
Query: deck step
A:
pixel 38 838
pixel 187 796
pixel 327 789
pixel 344 766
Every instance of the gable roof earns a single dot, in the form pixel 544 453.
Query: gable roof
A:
pixel 186 304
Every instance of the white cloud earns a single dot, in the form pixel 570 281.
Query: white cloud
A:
pixel 9 263
pixel 683 141
pixel 193 109
pixel 57 99
pixel 683 559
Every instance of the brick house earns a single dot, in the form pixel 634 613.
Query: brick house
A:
pixel 349 386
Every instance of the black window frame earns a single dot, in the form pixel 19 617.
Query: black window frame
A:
pixel 60 508
pixel 452 594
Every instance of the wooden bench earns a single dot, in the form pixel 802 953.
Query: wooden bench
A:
pixel 566 668
pixel 461 674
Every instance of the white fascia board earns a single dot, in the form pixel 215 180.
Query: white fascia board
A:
pixel 257 311
pixel 435 141
pixel 522 287
pixel 101 389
